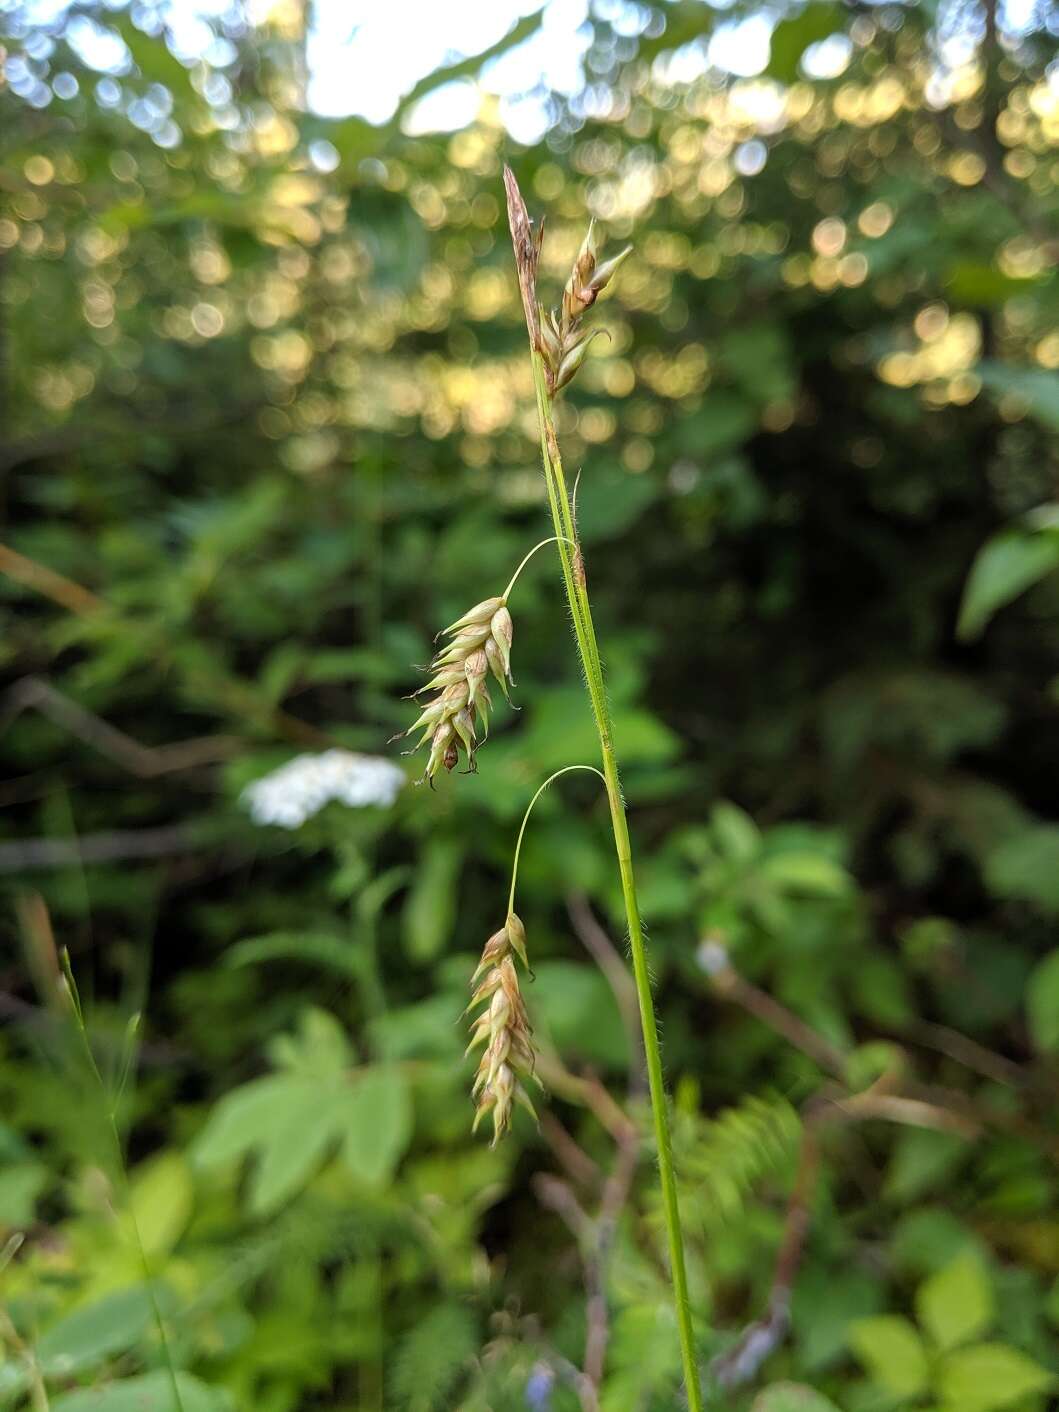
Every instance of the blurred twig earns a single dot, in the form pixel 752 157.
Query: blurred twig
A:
pixel 97 848
pixel 48 583
pixel 968 1053
pixel 760 1339
pixel 595 1234
pixel 239 697
pixel 143 760
pixel 727 982
pixel 834 1104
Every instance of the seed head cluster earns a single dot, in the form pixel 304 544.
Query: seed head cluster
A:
pixel 480 643
pixel 503 1028
pixel 559 336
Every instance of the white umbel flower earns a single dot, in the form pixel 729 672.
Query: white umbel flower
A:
pixel 303 786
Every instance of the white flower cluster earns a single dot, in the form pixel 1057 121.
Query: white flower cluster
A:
pixel 300 788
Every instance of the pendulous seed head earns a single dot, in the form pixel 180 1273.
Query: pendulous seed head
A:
pixel 458 716
pixel 502 1029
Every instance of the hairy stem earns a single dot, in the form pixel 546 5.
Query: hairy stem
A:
pixel 584 630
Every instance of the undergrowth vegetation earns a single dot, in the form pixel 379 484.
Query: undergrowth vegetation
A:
pixel 268 423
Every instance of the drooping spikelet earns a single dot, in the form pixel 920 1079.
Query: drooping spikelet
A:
pixel 558 336
pixel 503 1028
pixel 480 642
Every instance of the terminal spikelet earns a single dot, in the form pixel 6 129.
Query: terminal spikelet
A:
pixel 559 336
pixel 502 1028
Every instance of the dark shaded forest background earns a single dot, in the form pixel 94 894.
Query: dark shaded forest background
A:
pixel 266 425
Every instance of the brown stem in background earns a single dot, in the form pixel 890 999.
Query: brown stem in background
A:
pixel 968 1053
pixel 571 1155
pixel 936 1110
pixel 97 848
pixel 606 956
pixel 241 698
pixel 596 1237
pixel 48 583
pixel 727 982
pixel 147 762
pixel 760 1339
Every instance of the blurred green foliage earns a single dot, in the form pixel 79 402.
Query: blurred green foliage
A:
pixel 267 425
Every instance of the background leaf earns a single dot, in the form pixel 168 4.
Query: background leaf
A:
pixel 377 1120
pixel 956 1304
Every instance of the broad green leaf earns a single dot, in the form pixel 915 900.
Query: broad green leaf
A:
pixel 1003 568
pixel 153 1392
pixel 88 1335
pixel 317 1050
pixel 294 1147
pixel 1026 867
pixel 1042 1003
pixel 806 872
pixel 990 1375
pixel 247 1116
pixel 377 1119
pixel 161 1201
pixel 20 1185
pixel 892 1353
pixel 724 422
pixel 922 1160
pixel 325 949
pixel 425 1030
pixel 1037 387
pixel 430 910
pixel 956 1304
pixel 824 1306
pixel 929 1239
pixel 288 1119
pixel 980 285
pixel 577 1007
pixel 791 1397
pixel 759 356
pixel 736 832
pixel 611 500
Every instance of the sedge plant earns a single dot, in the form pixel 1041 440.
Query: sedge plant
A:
pixel 454 721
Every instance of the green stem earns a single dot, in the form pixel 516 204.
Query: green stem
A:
pixel 529 810
pixel 581 612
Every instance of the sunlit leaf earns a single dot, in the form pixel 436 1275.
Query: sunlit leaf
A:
pixel 892 1352
pixel 1004 568
pixel 956 1304
pixel 377 1122
pixel 990 1375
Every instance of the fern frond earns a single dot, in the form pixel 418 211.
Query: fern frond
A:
pixel 723 1158
pixel 430 1358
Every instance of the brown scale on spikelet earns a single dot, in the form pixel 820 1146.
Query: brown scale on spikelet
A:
pixel 480 642
pixel 558 336
pixel 502 1028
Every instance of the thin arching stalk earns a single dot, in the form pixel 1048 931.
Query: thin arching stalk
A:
pixel 577 594
pixel 529 810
